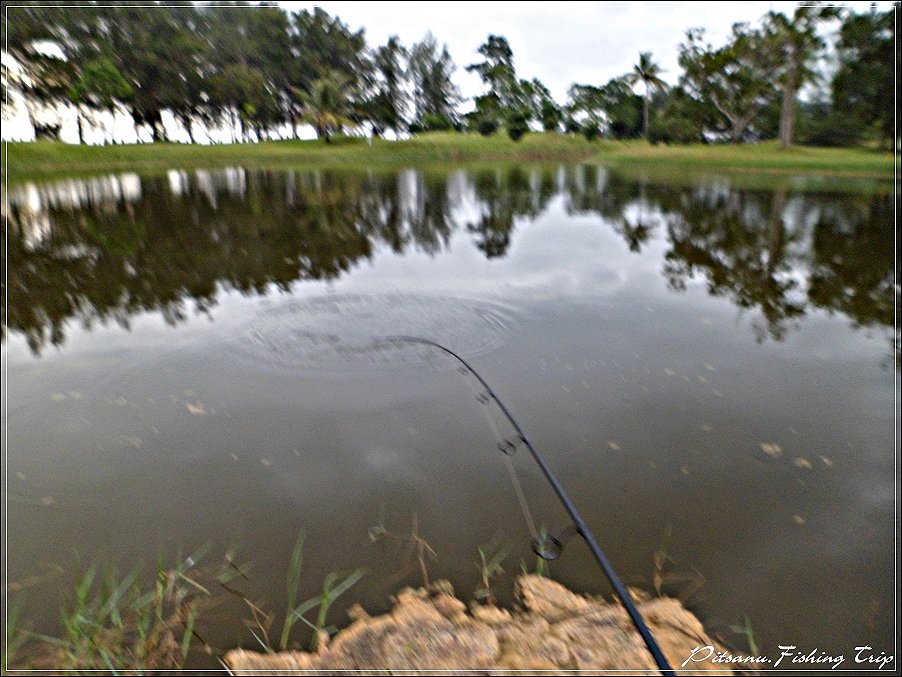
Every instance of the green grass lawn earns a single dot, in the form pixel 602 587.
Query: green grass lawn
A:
pixel 45 159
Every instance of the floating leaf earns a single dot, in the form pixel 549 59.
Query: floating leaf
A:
pixel 800 462
pixel 195 408
pixel 827 461
pixel 771 449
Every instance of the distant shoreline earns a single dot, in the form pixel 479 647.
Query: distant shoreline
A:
pixel 46 159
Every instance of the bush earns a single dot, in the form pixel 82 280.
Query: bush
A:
pixel 487 126
pixel 517 125
pixel 591 131
pixel 432 122
pixel 669 129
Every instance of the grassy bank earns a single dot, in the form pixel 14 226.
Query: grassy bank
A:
pixel 765 158
pixel 47 159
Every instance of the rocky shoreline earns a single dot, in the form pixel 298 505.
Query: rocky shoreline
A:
pixel 553 631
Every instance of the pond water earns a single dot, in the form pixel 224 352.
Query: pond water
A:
pixel 200 358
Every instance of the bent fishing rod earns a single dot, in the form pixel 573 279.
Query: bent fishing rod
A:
pixel 578 522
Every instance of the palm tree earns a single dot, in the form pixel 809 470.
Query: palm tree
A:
pixel 326 106
pixel 649 73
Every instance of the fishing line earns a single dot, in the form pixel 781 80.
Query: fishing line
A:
pixel 507 448
pixel 579 524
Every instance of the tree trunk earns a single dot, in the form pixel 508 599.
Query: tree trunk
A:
pixel 187 122
pixel 788 106
pixel 81 138
pixel 645 115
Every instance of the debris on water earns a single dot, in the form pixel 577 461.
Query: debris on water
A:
pixel 21 476
pixel 234 456
pixel 47 501
pixel 771 449
pixel 670 372
pixel 684 470
pixel 58 397
pixel 565 389
pixel 717 393
pixel 798 519
pixel 827 461
pixel 132 441
pixel 412 430
pixel 802 463
pixel 187 392
pixel 701 378
pixel 705 428
pixel 196 408
pixel 120 401
pixel 613 445
pixel 710 367
pixel 266 462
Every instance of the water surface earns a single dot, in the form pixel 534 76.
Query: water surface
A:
pixel 200 358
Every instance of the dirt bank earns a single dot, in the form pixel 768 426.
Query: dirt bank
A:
pixel 555 631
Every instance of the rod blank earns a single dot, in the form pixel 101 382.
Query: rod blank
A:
pixel 581 527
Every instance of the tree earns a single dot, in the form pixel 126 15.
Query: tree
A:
pixel 737 78
pixel 99 85
pixel 252 45
pixel 327 107
pixel 242 92
pixel 796 41
pixel 322 44
pixel 435 96
pixel 862 88
pixel 612 109
pixel 388 104
pixel 508 100
pixel 159 54
pixel 585 109
pixel 649 74
pixel 38 40
pixel 680 118
pixel 544 108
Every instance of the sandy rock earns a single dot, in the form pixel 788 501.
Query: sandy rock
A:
pixel 557 631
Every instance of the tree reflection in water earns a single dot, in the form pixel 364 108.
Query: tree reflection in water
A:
pixel 103 250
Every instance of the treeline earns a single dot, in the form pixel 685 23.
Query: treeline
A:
pixel 262 71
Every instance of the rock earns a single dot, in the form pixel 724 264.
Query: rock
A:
pixel 558 631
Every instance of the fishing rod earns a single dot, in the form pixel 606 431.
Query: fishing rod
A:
pixel 578 522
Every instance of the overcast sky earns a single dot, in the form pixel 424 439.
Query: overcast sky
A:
pixel 558 42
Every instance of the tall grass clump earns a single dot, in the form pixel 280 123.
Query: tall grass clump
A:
pixel 115 624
